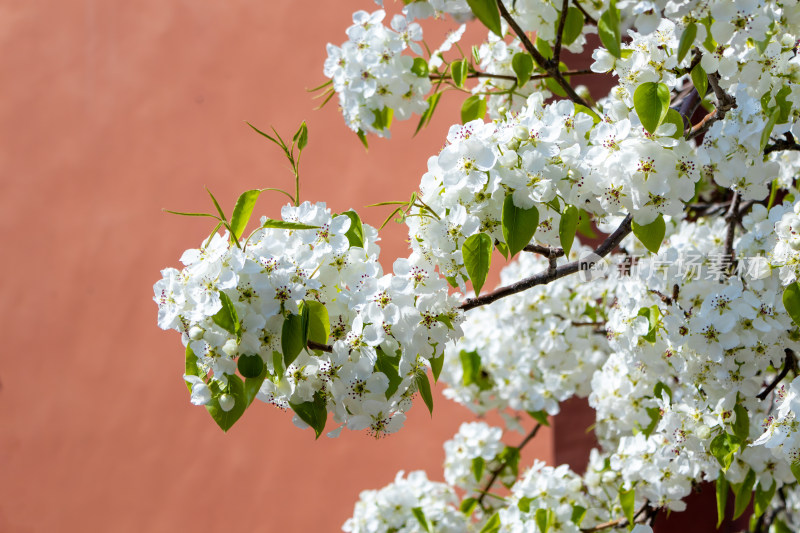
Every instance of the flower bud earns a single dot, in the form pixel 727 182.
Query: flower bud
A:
pixel 226 402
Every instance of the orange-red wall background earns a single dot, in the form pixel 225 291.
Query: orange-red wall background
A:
pixel 109 111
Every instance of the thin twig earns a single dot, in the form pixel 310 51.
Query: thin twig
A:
pixel 479 74
pixel 586 15
pixel 732 218
pixel 539 58
pixel 788 143
pixel 317 346
pixel 605 248
pixel 560 32
pixel 725 103
pixel 496 472
pixel 544 250
pixel 788 364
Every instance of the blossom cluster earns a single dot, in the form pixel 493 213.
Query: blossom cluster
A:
pixel 383 328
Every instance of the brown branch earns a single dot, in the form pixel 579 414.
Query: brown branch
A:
pixel 543 63
pixel 732 217
pixel 621 521
pixel 317 346
pixel 725 103
pixel 789 364
pixel 479 74
pixel 496 472
pixel 586 14
pixel 605 248
pixel 544 250
pixel 560 32
pixel 788 143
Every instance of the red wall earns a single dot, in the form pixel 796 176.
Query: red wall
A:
pixel 110 111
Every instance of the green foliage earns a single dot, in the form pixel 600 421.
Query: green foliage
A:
pixel 724 446
pixel 419 514
pixel 651 101
pixel 389 366
pixel 477 255
pixel 699 80
pixel 488 13
pixel 250 366
pixel 227 318
pixel 744 493
pixel 313 413
pixel 519 225
pixel 420 67
pixel 568 227
pixel 573 26
pixel 424 388
pixel 721 488
pixel 473 108
pixel 651 235
pixel 522 63
pixel 791 301
pixel 492 525
pixel 458 71
pixel 472 371
pixel 627 499
pixel 242 212
pixel 608 30
pixel 294 334
pixel 355 234
pixel 687 40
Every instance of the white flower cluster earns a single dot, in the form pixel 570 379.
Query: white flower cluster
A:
pixel 471 456
pixel 786 254
pixel 782 433
pixel 408 505
pixel 372 76
pixel 383 328
pixel 543 346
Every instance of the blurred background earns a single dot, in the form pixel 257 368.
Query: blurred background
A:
pixel 112 110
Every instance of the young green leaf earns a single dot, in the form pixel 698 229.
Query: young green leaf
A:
pixel 651 101
pixel 741 426
pixel 226 419
pixel 294 337
pixel 419 514
pixel 627 499
pixel 313 413
pixel 242 211
pixel 436 366
pixel 319 325
pixel 519 225
pixel 458 71
pixel 283 224
pixel 488 13
pixel 674 117
pixel 578 513
pixel 660 388
pixel 301 137
pixel 744 494
pixel 383 118
pixel 510 458
pixel 522 63
pixel 502 248
pixel 363 138
pixel 477 255
pixel 250 366
pixel 608 30
pixel 585 225
pixel 473 108
pixel 355 234
pixel 573 26
pixel 420 67
pixel 191 366
pixel 389 366
pixel 763 498
pixel 226 317
pixel 687 40
pixel 795 467
pixel 544 519
pixel 568 227
pixel 699 80
pixel 651 235
pixel 492 525
pixel 540 417
pixel 724 446
pixel 472 371
pixel 468 505
pixel 425 118
pixel 424 388
pixel 253 385
pixel 477 468
pixel 767 131
pixel 722 498
pixel 791 301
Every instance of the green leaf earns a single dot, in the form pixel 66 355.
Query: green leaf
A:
pixel 363 138
pixel 209 215
pixel 522 63
pixel 743 494
pixel 791 301
pixel 578 513
pixel 795 467
pixel 472 372
pixel 573 26
pixel 674 117
pixel 278 367
pixel 422 519
pixel 544 519
pixel 519 225
pixel 568 227
pixel 473 108
pixel 687 40
pixel 780 527
pixel 226 318
pixel 653 316
pixel 492 525
pixel 294 335
pixel 226 419
pixel 700 80
pixel 458 71
pixel 724 446
pixel 424 388
pixel 319 324
pixel 383 118
pixel 763 498
pixel 627 499
pixel 502 248
pixel 301 137
pixel 608 30
pixel 741 426
pixel 651 235
pixel 585 225
pixel 216 204
pixel 655 415
pixel 488 13
pixel 420 67
pixel 722 498
pixel 540 417
pixel 580 108
pixel 313 413
pixel 283 224
pixel 544 48
pixel 524 504
pixel 436 366
pixel 651 101
pixel 191 366
pixel 355 234
pixel 767 131
pixel 253 385
pixel 425 118
pixel 242 211
pixel 250 366
pixel 658 391
pixel 477 255
pixel 477 467
pixel 468 505
pixel 510 458
pixel 389 366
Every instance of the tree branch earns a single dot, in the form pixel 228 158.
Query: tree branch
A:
pixel 789 364
pixel 725 103
pixel 732 217
pixel 605 248
pixel 479 74
pixel 317 346
pixel 586 15
pixel 539 58
pixel 560 32
pixel 496 472
pixel 788 143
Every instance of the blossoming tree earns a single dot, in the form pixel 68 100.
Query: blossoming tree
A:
pixel 680 325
